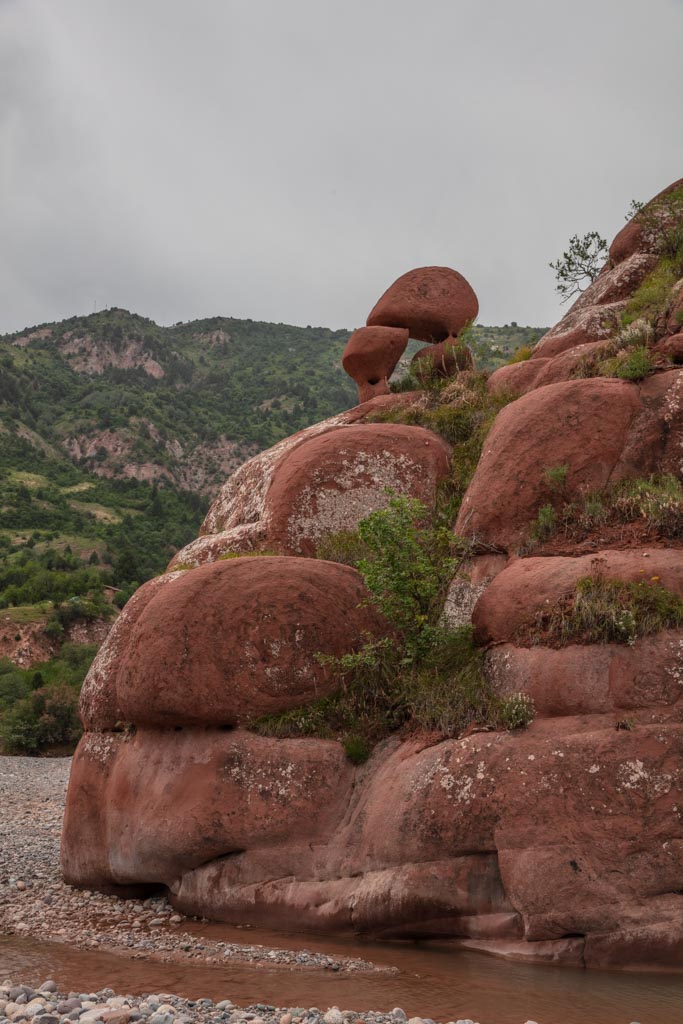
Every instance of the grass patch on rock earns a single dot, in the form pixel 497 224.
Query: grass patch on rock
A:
pixel 626 356
pixel 654 505
pixel 461 411
pixel 607 611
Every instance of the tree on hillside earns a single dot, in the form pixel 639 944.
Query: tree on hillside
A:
pixel 579 264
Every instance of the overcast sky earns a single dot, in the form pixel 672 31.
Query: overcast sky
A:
pixel 286 160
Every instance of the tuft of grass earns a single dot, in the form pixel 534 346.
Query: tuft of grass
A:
pixel 603 611
pixel 556 477
pixel 357 749
pixel 517 711
pixel 632 364
pixel 545 524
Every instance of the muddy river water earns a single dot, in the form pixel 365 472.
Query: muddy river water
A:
pixel 431 980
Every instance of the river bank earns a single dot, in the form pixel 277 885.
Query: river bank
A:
pixel 96 948
pixel 35 902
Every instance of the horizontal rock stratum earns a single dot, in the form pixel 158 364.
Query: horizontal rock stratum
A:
pixel 559 842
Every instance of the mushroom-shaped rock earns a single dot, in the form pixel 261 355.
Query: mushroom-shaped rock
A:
pixel 432 302
pixel 370 357
pixel 444 359
pixel 228 642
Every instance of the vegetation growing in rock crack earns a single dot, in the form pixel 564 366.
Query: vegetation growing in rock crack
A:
pixel 601 610
pixel 652 508
pixel 661 223
pixel 424 674
pixel 461 410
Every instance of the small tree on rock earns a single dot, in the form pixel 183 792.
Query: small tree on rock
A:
pixel 580 264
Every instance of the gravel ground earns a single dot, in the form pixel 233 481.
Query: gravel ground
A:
pixel 48 1006
pixel 35 902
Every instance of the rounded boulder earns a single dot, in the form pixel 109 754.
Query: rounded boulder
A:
pixel 233 640
pixel 370 358
pixel 331 482
pixel 432 302
pixel 444 359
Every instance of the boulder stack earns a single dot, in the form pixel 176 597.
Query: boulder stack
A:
pixel 429 304
pixel 561 842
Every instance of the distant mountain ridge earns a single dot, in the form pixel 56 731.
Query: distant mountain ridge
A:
pixel 184 405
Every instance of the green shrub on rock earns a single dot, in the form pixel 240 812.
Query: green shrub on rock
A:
pixel 423 675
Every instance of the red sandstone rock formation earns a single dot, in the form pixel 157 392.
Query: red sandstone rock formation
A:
pixel 561 842
pixel 288 498
pixel 529 586
pixel 432 302
pixel 603 430
pixel 227 642
pixel 370 358
pixel 429 304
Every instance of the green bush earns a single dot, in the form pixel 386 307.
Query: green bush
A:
pixel 409 566
pixel 47 717
pixel 422 675
pixel 520 355
pixel 634 364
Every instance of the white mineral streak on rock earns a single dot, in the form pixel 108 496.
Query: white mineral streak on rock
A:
pixel 242 499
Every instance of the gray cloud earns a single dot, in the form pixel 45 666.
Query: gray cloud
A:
pixel 286 161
